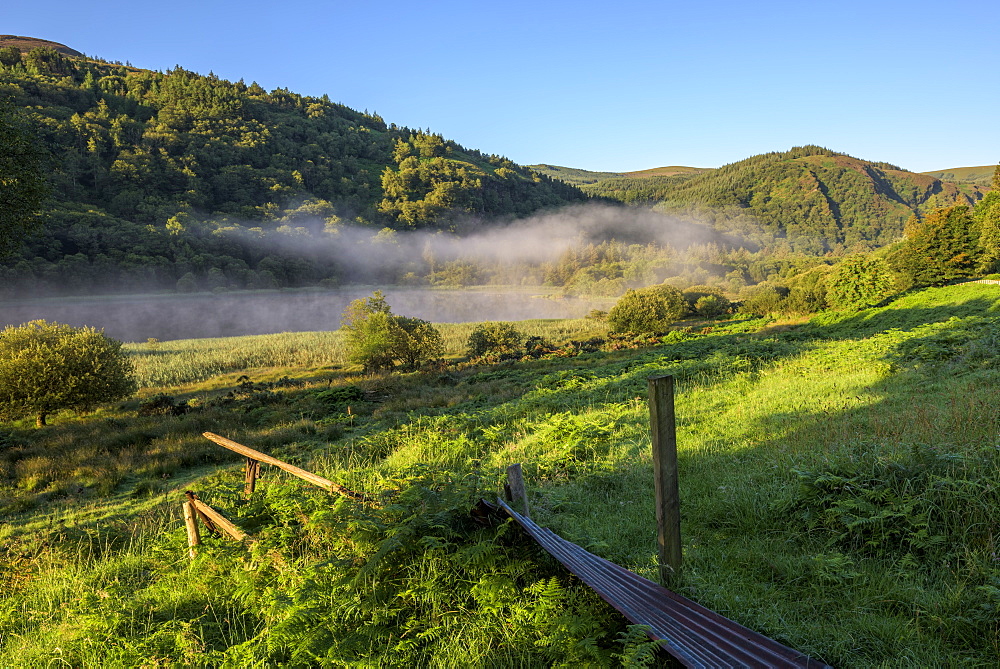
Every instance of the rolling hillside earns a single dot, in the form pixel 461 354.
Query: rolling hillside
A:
pixel 156 175
pixel 980 176
pixel 26 44
pixel 817 199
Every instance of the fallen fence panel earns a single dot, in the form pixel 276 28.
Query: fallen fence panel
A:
pixel 695 635
pixel 326 484
pixel 220 520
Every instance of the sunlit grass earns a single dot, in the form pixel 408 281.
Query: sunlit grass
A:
pixel 186 361
pixel 760 416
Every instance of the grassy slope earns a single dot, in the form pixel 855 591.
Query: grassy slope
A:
pixel 572 175
pixel 578 177
pixel 981 175
pixel 839 484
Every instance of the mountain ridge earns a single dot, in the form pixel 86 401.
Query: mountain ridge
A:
pixel 26 44
pixel 817 199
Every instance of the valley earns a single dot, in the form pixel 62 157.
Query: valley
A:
pixel 408 316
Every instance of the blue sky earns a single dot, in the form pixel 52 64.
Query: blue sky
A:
pixel 602 86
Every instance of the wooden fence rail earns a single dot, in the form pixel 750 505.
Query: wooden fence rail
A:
pixel 250 453
pixel 215 522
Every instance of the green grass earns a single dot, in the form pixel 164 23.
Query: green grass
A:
pixel 840 482
pixel 190 361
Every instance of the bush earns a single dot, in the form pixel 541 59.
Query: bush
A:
pixel 695 294
pixel 650 309
pixel 495 340
pixel 859 282
pixel 763 301
pixel 46 367
pixel 379 340
pixel 710 306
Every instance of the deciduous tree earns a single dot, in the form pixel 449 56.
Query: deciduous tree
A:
pixel 941 247
pixel 379 340
pixel 46 367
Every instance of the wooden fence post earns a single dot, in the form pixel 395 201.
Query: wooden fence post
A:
pixel 663 434
pixel 515 489
pixel 194 539
pixel 209 525
pixel 251 472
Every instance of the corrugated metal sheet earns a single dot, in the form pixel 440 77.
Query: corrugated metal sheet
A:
pixel 696 636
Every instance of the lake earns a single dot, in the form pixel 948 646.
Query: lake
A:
pixel 165 317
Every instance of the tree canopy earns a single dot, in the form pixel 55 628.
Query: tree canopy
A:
pixel 23 185
pixel 161 175
pixel 379 340
pixel 939 248
pixel 47 367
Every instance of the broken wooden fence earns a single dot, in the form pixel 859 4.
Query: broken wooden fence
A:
pixel 215 523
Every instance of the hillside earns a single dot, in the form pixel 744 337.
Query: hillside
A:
pixel 26 44
pixel 839 486
pixel 816 199
pixel 980 176
pixel 572 175
pixel 159 174
pixel 578 177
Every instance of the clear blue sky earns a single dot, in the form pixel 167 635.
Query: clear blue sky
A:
pixel 613 86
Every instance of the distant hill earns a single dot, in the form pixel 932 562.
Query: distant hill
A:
pixel 26 44
pixel 578 177
pixel 671 171
pixel 981 176
pixel 817 199
pixel 574 176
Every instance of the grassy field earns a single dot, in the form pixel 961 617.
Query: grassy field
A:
pixel 840 486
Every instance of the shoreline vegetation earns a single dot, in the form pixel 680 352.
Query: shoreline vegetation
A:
pixel 839 486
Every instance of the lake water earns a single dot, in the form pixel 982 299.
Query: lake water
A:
pixel 165 317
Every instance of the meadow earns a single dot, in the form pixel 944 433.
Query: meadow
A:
pixel 840 482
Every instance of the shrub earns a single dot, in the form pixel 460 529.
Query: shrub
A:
pixel 46 367
pixel 379 340
pixel 858 282
pixel 694 294
pixel 650 309
pixel 763 301
pixel 710 305
pixel 499 340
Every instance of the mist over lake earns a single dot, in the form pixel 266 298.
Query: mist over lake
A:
pixel 166 317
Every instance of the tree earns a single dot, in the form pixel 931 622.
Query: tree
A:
pixel 46 367
pixel 23 186
pixel 942 247
pixel 500 341
pixel 379 340
pixel 987 217
pixel 650 309
pixel 859 281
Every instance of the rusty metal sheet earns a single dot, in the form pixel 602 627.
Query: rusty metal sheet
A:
pixel 696 636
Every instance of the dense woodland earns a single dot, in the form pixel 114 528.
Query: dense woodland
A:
pixel 163 176
pixel 811 199
pixel 178 181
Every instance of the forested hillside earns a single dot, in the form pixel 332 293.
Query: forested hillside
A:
pixel 817 199
pixel 159 174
